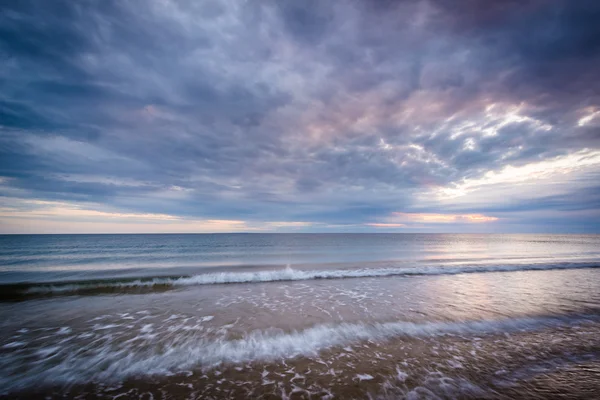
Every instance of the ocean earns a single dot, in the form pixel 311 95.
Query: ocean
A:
pixel 291 316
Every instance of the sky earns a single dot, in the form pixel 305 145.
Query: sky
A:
pixel 156 116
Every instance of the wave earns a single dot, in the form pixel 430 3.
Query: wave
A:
pixel 113 359
pixel 290 274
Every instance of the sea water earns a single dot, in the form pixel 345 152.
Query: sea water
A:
pixel 300 316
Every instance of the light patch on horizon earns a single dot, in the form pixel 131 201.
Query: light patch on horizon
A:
pixel 61 210
pixel 414 220
pixel 286 224
pixel 60 215
pixel 385 225
pixel 434 218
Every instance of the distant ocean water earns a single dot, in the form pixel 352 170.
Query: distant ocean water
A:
pixel 309 315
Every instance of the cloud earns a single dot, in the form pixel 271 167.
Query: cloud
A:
pixel 401 218
pixel 335 113
pixel 590 118
pixel 531 173
pixel 385 225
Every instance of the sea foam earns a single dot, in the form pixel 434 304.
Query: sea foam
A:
pixel 115 360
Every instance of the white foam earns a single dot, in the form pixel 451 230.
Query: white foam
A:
pixel 289 274
pixel 439 386
pixel 116 360
pixel 364 377
pixel 401 375
pixel 64 331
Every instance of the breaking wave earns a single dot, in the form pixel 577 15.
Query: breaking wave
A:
pixel 289 274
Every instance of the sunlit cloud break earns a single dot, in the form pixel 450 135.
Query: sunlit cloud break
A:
pixel 529 173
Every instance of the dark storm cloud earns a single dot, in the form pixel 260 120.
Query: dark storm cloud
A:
pixel 336 112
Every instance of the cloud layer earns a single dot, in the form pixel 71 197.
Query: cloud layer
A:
pixel 269 115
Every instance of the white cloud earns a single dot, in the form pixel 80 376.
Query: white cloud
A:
pixel 528 174
pixel 590 117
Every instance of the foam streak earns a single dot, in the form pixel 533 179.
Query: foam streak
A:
pixel 115 361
